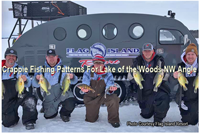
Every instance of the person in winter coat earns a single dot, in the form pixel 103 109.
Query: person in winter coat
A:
pixel 51 102
pixel 150 102
pixel 11 101
pixel 102 82
pixel 188 100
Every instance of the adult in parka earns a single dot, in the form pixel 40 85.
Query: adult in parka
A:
pixel 150 102
pixel 51 102
pixel 188 100
pixel 11 101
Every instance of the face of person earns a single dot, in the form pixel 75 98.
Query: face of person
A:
pixel 52 60
pixel 191 57
pixel 10 60
pixel 99 66
pixel 148 53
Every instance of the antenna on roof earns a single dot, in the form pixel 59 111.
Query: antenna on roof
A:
pixel 171 14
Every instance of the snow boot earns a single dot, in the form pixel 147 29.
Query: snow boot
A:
pixel 65 118
pixel 115 125
pixel 29 126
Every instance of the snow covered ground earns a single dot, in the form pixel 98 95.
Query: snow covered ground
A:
pixel 127 113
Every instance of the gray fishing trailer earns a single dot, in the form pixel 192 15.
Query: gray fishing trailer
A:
pixel 117 36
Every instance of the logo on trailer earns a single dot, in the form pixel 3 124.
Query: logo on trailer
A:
pixel 99 48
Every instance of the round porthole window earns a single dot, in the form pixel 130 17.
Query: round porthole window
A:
pixel 60 33
pixel 109 31
pixel 136 31
pixel 84 32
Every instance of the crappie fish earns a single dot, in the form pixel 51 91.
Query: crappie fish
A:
pixel 182 80
pixel 138 78
pixel 65 84
pixel 196 83
pixel 20 86
pixel 86 87
pixel 44 84
pixel 158 80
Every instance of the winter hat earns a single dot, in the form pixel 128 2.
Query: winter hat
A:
pixel 98 58
pixel 51 52
pixel 191 48
pixel 10 51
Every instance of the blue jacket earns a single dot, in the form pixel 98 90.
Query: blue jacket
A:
pixel 52 79
pixel 7 75
pixel 109 81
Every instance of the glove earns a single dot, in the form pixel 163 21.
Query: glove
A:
pixel 183 106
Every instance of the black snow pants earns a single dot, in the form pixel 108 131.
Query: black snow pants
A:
pixel 157 104
pixel 11 103
pixel 190 115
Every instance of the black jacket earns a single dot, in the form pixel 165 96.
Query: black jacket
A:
pixel 188 95
pixel 148 77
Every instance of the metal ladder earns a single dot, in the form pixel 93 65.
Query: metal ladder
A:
pixel 21 29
